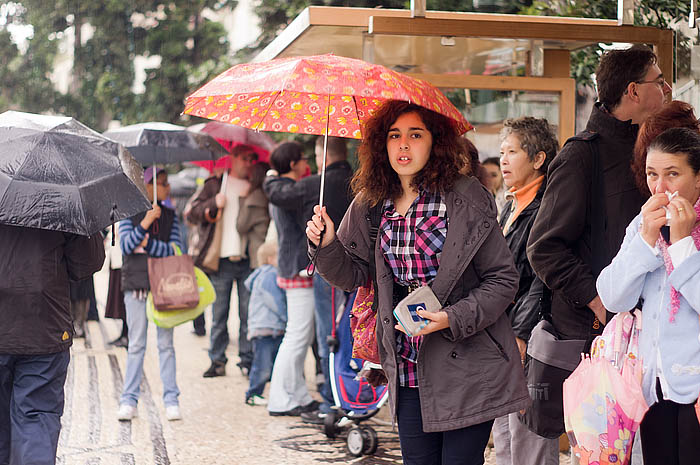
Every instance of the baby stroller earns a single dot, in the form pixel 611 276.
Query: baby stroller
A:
pixel 355 400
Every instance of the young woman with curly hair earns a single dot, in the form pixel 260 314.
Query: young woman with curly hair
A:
pixel 437 228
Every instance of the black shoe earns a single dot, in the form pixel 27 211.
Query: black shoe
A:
pixel 295 412
pixel 120 342
pixel 216 369
pixel 199 332
pixel 311 406
pixel 314 418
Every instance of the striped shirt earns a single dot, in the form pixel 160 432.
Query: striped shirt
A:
pixel 130 237
pixel 412 245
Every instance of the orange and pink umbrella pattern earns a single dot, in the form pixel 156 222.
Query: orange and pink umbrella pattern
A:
pixel 311 95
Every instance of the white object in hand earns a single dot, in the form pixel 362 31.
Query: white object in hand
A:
pixel 670 196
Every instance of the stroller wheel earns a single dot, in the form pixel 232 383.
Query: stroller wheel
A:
pixel 371 441
pixel 329 426
pixel 356 441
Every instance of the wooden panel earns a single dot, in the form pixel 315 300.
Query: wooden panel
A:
pixel 664 50
pixel 506 30
pixel 557 63
pixel 565 87
pixel 349 16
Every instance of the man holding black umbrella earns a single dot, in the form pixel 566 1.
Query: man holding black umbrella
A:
pixel 36 333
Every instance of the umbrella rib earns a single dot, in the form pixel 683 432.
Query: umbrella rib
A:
pixel 359 122
pixel 267 110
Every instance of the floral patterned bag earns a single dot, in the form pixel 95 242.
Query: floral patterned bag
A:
pixel 363 324
pixel 363 314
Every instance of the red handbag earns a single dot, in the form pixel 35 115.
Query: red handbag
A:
pixel 363 324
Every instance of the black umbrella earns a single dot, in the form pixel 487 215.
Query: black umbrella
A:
pixel 58 174
pixel 161 143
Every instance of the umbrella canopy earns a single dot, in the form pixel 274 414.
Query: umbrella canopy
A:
pixel 323 94
pixel 603 399
pixel 230 136
pixel 58 174
pixel 160 143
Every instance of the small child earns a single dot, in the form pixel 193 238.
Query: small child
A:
pixel 267 319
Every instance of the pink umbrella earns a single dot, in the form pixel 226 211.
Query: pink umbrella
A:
pixel 230 136
pixel 603 399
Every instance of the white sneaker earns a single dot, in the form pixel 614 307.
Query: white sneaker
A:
pixel 126 412
pixel 172 413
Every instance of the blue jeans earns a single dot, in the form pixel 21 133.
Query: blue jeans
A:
pixel 264 352
pixel 464 446
pixel 230 272
pixel 137 322
pixel 31 405
pixel 324 324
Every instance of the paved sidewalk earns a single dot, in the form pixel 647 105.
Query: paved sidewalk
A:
pixel 217 426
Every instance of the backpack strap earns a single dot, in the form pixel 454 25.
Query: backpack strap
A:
pixel 597 205
pixel 598 220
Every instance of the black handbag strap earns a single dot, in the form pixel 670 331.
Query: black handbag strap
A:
pixel 374 216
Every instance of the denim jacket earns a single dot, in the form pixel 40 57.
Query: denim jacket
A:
pixel 267 310
pixel 637 272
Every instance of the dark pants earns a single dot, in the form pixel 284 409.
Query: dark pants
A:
pixel 464 446
pixel 230 272
pixel 670 433
pixel 31 405
pixel 264 353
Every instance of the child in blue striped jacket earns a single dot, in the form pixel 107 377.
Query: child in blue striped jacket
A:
pixel 149 234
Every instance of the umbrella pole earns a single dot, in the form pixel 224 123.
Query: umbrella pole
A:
pixel 325 148
pixel 155 186
pixel 311 269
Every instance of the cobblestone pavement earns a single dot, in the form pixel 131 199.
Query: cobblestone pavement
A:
pixel 217 426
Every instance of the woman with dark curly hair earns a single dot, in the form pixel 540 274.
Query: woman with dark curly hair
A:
pixel 436 228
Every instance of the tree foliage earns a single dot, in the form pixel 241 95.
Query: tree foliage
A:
pixel 110 34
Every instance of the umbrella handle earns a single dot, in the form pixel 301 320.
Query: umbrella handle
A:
pixel 155 186
pixel 311 267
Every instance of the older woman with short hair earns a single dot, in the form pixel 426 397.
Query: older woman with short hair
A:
pixel 527 147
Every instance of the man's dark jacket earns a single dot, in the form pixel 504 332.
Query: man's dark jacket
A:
pixel 306 192
pixel 560 248
pixel 36 267
pixel 296 200
pixel 525 309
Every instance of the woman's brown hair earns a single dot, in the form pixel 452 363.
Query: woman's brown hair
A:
pixel 676 114
pixel 375 180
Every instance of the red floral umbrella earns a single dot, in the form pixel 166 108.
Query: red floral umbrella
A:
pixel 323 94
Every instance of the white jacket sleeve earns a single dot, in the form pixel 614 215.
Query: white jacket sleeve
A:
pixel 620 284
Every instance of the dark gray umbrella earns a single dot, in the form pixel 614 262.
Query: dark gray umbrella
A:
pixel 161 143
pixel 58 174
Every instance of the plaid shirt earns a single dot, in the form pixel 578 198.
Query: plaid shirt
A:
pixel 297 282
pixel 412 246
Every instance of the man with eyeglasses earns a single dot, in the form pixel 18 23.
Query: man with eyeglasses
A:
pixel 590 199
pixel 222 252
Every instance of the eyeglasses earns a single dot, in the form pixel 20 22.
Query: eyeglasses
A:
pixel 659 81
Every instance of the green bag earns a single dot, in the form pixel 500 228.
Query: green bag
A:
pixel 170 319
